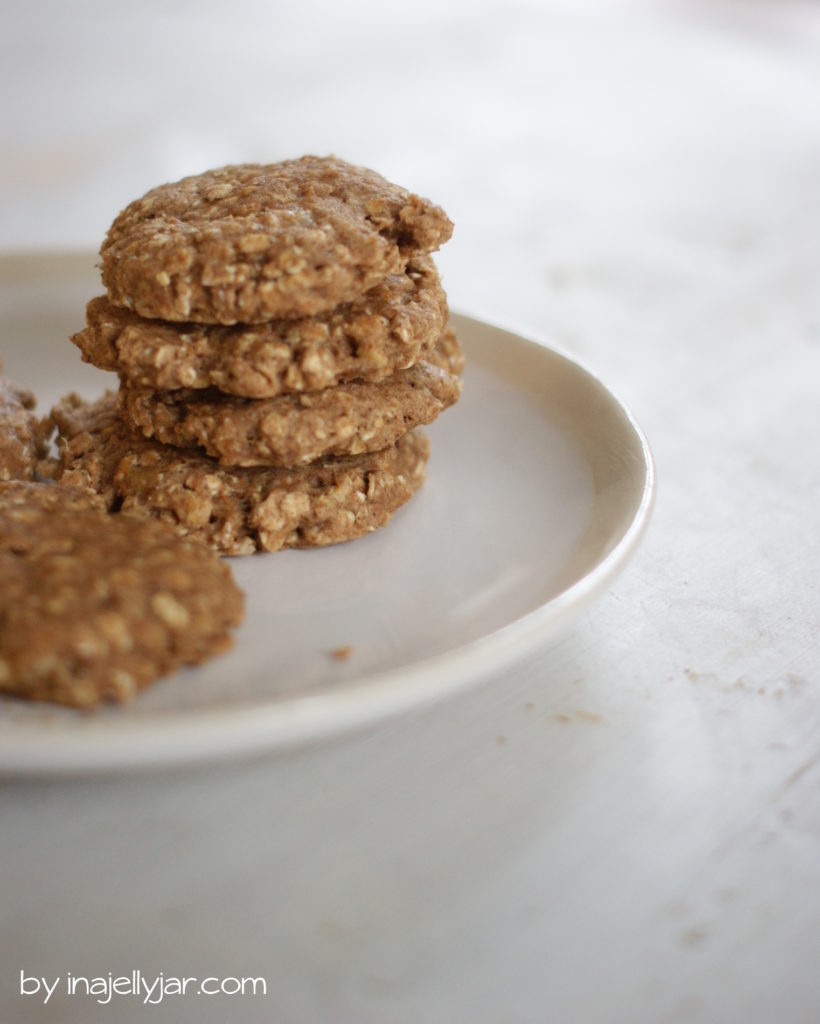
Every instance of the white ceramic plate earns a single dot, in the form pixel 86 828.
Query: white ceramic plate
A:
pixel 539 488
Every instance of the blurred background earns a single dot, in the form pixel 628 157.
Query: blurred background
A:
pixel 597 156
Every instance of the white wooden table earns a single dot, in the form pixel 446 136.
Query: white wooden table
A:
pixel 626 827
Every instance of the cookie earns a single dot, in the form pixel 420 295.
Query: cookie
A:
pixel 235 510
pixel 387 329
pixel 22 436
pixel 92 606
pixel 447 354
pixel 292 430
pixel 253 242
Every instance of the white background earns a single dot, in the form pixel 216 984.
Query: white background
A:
pixel 625 828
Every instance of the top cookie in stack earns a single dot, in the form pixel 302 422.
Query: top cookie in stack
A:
pixel 254 243
pixel 279 332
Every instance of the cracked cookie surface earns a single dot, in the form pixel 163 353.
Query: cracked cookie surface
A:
pixel 255 242
pixel 95 606
pixel 236 510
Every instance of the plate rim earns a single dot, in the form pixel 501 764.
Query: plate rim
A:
pixel 212 734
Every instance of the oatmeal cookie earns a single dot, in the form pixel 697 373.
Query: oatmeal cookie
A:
pixel 235 510
pixel 92 606
pixel 292 430
pixel 388 328
pixel 22 435
pixel 447 354
pixel 249 243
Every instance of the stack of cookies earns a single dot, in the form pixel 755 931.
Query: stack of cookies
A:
pixel 279 332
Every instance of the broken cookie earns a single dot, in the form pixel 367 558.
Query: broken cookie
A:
pixel 22 434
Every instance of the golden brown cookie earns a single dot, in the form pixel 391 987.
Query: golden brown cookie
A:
pixel 250 243
pixel 292 430
pixel 22 435
pixel 389 328
pixel 235 510
pixel 447 354
pixel 92 606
